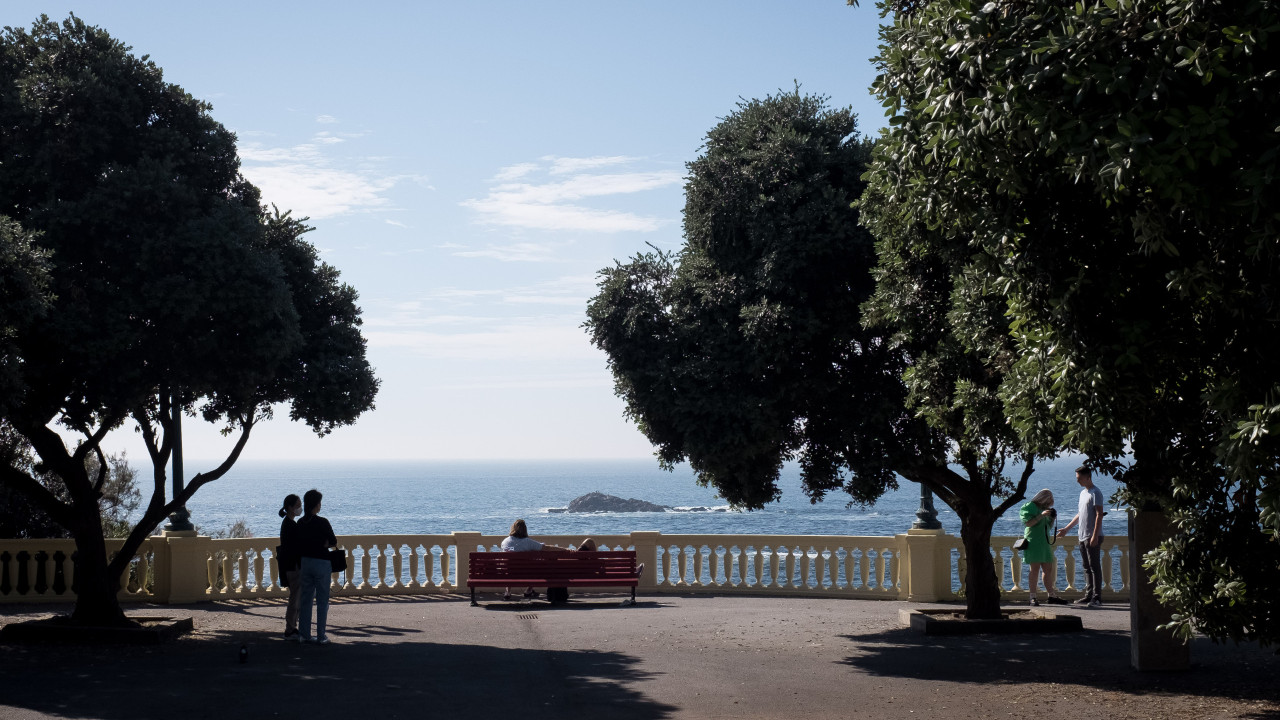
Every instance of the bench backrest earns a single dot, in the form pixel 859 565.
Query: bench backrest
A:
pixel 552 564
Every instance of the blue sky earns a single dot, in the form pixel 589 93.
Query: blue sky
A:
pixel 469 167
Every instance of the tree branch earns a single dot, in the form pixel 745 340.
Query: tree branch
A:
pixel 57 510
pixel 102 470
pixel 95 438
pixel 1020 491
pixel 202 479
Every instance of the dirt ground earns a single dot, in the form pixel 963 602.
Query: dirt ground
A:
pixel 670 656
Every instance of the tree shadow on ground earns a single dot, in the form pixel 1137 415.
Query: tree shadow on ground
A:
pixel 1091 659
pixel 201 677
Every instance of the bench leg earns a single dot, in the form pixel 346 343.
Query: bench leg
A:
pixel 473 598
pixel 633 595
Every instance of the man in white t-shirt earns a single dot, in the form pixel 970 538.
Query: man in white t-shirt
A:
pixel 1089 519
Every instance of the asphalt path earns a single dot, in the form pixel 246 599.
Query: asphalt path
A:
pixel 669 656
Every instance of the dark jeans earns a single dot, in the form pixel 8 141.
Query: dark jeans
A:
pixel 1091 561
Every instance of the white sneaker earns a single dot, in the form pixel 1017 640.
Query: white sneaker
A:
pixel 322 640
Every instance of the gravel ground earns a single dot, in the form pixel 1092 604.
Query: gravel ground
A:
pixel 667 657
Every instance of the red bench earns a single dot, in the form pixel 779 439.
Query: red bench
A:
pixel 552 568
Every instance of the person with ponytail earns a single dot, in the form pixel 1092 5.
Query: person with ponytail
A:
pixel 289 562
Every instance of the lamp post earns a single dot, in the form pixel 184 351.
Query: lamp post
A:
pixel 180 519
pixel 926 516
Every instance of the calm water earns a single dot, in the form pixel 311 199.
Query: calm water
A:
pixel 433 497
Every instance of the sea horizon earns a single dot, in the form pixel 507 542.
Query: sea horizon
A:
pixel 438 496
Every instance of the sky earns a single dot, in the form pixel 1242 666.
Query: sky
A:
pixel 469 168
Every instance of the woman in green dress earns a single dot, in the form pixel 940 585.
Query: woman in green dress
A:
pixel 1037 515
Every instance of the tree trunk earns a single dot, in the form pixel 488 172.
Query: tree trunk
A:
pixel 97 602
pixel 1150 649
pixel 982 588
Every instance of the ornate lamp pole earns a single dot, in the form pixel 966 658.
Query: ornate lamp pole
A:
pixel 180 520
pixel 926 516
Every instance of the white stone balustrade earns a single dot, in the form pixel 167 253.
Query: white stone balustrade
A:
pixel 919 565
pixel 44 570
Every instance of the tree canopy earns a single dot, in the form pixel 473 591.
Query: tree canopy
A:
pixel 171 289
pixel 748 348
pixel 1109 168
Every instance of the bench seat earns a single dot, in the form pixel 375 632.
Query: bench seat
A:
pixel 552 568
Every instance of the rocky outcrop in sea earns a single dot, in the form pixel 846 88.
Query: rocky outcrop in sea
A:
pixel 594 502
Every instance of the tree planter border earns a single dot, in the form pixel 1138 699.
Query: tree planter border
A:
pixel 153 630
pixel 926 622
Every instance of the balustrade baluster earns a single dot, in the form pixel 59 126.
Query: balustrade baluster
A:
pixel 6 585
pixel 889 563
pixel 413 568
pixel 226 573
pixel 144 571
pixel 429 567
pixel 366 563
pixel 42 572
pixel 24 572
pixel 824 557
pixel 397 561
pixel 258 585
pixel 59 573
pixel 1015 568
pixel 242 572
pixel 1107 579
pixel 382 567
pixel 446 563
pixel 1071 569
pixel 1124 569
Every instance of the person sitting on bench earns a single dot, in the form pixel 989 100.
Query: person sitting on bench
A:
pixel 518 540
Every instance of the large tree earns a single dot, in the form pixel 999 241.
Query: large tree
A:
pixel 748 348
pixel 173 289
pixel 1111 168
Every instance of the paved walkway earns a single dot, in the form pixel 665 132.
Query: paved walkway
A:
pixel 667 657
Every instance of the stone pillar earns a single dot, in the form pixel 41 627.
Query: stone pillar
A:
pixel 185 567
pixel 1150 649
pixel 924 572
pixel 466 542
pixel 646 543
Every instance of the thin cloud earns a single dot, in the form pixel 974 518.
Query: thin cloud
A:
pixel 514 172
pixel 326 119
pixel 304 179
pixel 518 252
pixel 564 166
pixel 556 205
pixel 396 223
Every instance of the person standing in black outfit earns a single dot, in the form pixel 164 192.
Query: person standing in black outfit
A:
pixel 315 536
pixel 289 561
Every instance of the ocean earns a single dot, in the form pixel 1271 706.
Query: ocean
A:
pixel 439 497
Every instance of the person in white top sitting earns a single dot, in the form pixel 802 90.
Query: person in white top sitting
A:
pixel 519 541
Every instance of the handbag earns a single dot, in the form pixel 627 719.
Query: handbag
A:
pixel 338 560
pixel 1020 544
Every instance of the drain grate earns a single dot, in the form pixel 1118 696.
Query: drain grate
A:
pixel 528 616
